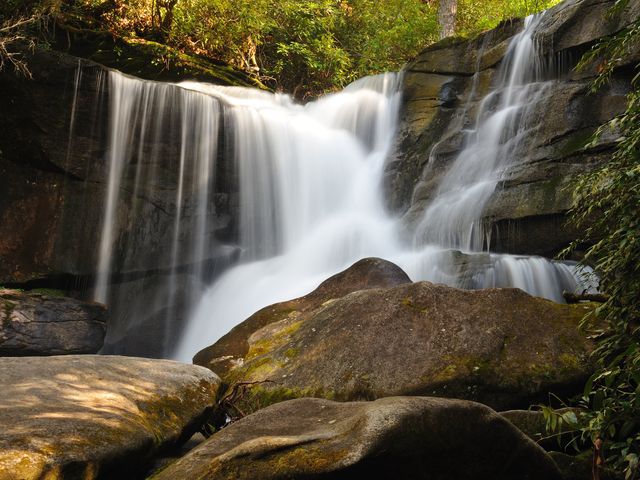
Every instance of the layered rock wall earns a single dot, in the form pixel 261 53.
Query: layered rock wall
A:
pixel 443 88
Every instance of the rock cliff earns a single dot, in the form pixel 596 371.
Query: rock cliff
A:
pixel 443 88
pixel 54 171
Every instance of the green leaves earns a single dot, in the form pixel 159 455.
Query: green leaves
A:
pixel 304 46
pixel 607 209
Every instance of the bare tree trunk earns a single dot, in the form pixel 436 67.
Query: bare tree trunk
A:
pixel 447 10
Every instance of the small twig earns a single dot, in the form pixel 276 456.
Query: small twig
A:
pixel 222 414
pixel 17 24
pixel 559 434
pixel 598 461
pixel 238 391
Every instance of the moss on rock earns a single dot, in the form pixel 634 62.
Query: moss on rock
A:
pixel 148 59
pixel 501 347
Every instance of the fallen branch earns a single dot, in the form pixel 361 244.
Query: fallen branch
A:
pixel 18 23
pixel 226 410
pixel 585 297
pixel 11 33
pixel 6 56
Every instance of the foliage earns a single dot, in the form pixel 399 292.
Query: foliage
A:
pixel 383 35
pixel 474 17
pixel 607 209
pixel 22 22
pixel 301 46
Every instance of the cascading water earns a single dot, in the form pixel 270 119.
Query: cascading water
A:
pixel 506 117
pixel 308 193
pixel 313 173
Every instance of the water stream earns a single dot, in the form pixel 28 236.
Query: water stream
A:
pixel 308 193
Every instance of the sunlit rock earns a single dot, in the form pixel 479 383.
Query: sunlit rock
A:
pixel 89 416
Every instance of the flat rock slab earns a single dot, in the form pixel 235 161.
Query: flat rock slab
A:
pixel 391 438
pixel 34 324
pixel 68 417
pixel 501 347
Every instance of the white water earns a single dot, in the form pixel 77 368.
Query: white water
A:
pixel 506 117
pixel 309 189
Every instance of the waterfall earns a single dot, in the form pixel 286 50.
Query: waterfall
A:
pixel 304 183
pixel 312 204
pixel 505 119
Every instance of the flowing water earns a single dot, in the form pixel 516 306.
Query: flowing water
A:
pixel 507 116
pixel 308 193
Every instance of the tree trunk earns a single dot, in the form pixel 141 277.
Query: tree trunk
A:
pixel 447 10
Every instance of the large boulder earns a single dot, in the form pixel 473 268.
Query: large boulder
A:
pixel 398 437
pixel 36 324
pixel 501 347
pixel 367 273
pixel 446 83
pixel 88 416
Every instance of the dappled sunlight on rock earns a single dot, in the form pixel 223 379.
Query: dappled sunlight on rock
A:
pixel 95 412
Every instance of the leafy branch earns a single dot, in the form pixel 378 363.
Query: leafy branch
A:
pixel 607 210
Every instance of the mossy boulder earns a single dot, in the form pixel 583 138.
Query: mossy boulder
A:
pixel 367 273
pixel 95 416
pixel 149 59
pixel 398 437
pixel 501 347
pixel 45 323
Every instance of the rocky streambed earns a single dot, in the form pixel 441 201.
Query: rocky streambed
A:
pixel 368 376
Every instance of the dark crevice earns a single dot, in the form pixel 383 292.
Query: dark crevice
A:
pixel 82 283
pixel 58 281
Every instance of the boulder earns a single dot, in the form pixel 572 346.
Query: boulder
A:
pixel 575 23
pixel 397 437
pixel 364 274
pixel 35 324
pixel 88 416
pixel 501 347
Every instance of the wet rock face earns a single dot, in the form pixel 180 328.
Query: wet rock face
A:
pixel 54 172
pixel 35 324
pixel 398 437
pixel 43 195
pixel 500 347
pixel 443 87
pixel 95 416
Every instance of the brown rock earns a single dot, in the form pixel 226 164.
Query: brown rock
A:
pixel 501 347
pixel 364 274
pixel 35 324
pixel 391 438
pixel 87 416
